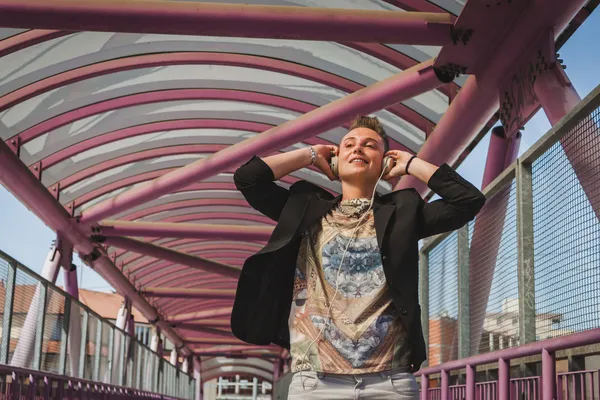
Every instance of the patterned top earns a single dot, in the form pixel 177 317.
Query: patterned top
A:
pixel 364 334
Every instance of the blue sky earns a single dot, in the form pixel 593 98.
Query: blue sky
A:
pixel 27 239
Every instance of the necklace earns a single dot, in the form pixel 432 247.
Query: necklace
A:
pixel 354 208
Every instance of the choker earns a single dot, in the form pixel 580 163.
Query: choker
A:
pixel 354 208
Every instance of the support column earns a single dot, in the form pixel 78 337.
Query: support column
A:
pixel 198 378
pixel 487 232
pixel 558 97
pixel 525 263
pixel 254 388
pixel 130 356
pixel 23 355
pixel 548 375
pixel 464 347
pixel 74 339
pixel 424 300
pixel 152 372
pixel 118 356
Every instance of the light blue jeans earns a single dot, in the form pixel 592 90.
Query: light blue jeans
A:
pixel 393 384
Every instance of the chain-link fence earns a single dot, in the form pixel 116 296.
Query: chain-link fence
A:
pixel 45 329
pixel 532 269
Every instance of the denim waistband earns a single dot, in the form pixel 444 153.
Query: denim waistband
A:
pixel 383 374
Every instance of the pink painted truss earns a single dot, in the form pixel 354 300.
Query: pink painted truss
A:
pixel 185 285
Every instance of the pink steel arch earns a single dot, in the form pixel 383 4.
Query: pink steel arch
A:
pixel 377 50
pixel 158 96
pixel 186 58
pixel 171 125
pixel 194 245
pixel 177 205
pixel 153 276
pixel 27 39
pixel 173 243
pixel 179 243
pixel 136 157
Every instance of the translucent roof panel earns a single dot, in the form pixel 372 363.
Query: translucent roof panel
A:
pixel 97 114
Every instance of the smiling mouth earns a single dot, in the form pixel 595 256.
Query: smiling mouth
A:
pixel 358 161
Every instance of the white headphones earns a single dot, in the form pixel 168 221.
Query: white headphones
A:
pixel 388 163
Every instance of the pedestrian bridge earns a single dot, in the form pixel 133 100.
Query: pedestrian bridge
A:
pixel 123 122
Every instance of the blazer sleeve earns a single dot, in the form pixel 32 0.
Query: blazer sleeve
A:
pixel 460 202
pixel 255 180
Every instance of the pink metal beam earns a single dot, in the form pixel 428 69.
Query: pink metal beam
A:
pixel 478 98
pixel 26 39
pixel 244 348
pixel 23 185
pixel 188 293
pixel 397 88
pixel 180 58
pixel 211 314
pixel 174 256
pixel 239 20
pixel 165 229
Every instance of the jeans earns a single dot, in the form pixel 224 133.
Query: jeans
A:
pixel 393 384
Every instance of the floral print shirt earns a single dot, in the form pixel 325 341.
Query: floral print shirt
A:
pixel 362 333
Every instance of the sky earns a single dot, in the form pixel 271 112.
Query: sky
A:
pixel 27 239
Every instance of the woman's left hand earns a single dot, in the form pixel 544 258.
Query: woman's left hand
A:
pixel 401 158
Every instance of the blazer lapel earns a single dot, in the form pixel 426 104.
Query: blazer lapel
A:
pixel 382 214
pixel 315 209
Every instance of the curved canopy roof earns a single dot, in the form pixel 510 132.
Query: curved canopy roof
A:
pixel 96 114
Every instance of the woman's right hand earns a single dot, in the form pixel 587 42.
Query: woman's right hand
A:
pixel 324 154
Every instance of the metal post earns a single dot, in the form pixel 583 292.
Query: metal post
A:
pixel 26 344
pixel 138 368
pixel 424 299
pixel 503 379
pixel 98 352
pixel 121 358
pixel 445 395
pixel 548 375
pixel 72 288
pixel 525 253
pixel 254 388
pixel 40 326
pixel 464 324
pixel 470 384
pixel 424 387
pixel 83 344
pixel 109 356
pixel 7 317
pixel 64 337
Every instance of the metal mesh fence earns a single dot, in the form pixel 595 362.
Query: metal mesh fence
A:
pixel 26 307
pixel 494 311
pixel 443 302
pixel 92 350
pixel 546 245
pixel 5 308
pixel 566 198
pixel 45 329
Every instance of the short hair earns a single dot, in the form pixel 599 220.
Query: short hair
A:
pixel 372 123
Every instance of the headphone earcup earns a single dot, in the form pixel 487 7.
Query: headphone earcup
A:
pixel 388 164
pixel 333 164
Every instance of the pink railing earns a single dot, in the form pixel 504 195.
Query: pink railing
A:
pixel 20 384
pixel 578 385
pixel 529 388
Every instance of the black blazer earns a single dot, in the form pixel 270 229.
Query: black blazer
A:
pixel 264 292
